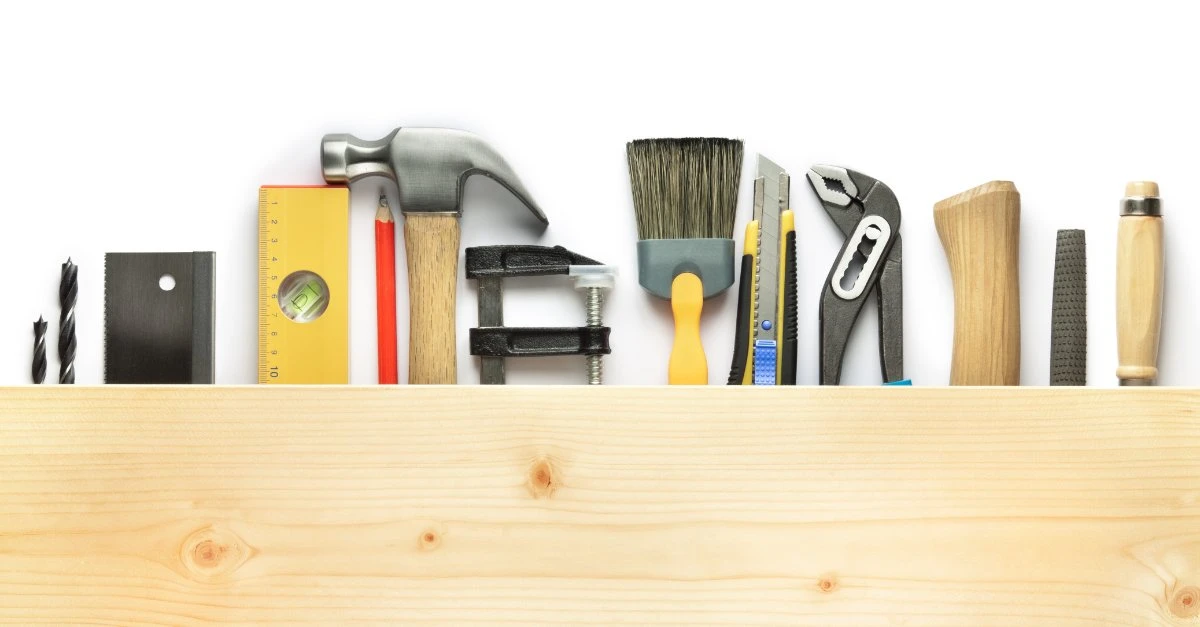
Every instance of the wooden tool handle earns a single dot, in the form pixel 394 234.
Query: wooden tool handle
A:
pixel 688 366
pixel 431 241
pixel 980 230
pixel 1139 297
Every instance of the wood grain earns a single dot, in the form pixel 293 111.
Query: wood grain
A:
pixel 1139 296
pixel 980 230
pixel 577 505
pixel 431 245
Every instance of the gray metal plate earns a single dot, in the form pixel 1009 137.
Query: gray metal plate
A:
pixel 153 335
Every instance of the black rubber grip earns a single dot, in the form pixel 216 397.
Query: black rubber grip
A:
pixel 741 339
pixel 790 332
pixel 539 341
pixel 1068 322
pixel 522 260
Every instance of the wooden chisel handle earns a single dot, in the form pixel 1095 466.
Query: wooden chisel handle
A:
pixel 1139 284
pixel 980 230
pixel 431 243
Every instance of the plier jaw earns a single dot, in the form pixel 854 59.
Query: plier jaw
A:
pixel 868 215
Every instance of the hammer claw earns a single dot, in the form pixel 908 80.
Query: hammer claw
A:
pixel 430 166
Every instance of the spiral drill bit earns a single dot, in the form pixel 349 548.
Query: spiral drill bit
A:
pixel 39 350
pixel 68 290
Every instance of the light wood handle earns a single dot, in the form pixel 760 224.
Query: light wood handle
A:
pixel 980 230
pixel 1139 297
pixel 431 241
pixel 688 365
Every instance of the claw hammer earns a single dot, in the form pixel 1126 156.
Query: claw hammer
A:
pixel 430 167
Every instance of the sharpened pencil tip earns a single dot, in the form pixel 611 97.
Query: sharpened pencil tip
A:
pixel 384 213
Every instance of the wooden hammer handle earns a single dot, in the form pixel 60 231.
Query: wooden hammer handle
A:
pixel 980 230
pixel 1139 291
pixel 431 242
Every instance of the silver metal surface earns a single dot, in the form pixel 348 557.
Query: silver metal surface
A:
pixel 430 166
pixel 594 301
pixel 1141 206
pixel 767 207
pixel 873 228
pixel 491 314
pixel 820 175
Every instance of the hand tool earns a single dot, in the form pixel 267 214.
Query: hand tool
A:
pixel 430 166
pixel 303 285
pixel 764 350
pixel 39 350
pixel 158 317
pixel 684 198
pixel 68 291
pixel 1139 283
pixel 1068 322
pixel 868 214
pixel 980 230
pixel 493 342
pixel 385 290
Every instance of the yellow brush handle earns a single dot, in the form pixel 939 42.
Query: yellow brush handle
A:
pixel 1139 297
pixel 688 365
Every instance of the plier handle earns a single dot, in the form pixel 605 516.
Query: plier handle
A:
pixel 868 214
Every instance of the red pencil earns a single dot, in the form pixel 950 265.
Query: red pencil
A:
pixel 385 290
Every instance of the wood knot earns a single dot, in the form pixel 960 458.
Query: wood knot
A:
pixel 1186 602
pixel 211 553
pixel 543 479
pixel 827 583
pixel 430 539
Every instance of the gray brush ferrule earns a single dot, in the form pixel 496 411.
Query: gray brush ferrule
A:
pixel 661 260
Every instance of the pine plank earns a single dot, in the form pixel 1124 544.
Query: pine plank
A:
pixel 518 505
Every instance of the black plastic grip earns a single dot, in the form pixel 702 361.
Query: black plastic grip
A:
pixel 521 260
pixel 790 332
pixel 539 341
pixel 741 339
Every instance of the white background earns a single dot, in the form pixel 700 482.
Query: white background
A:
pixel 150 127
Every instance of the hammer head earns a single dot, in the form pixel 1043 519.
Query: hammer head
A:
pixel 430 166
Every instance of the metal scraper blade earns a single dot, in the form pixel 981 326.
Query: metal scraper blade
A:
pixel 156 335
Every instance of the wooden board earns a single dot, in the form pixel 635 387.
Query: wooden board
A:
pixel 712 505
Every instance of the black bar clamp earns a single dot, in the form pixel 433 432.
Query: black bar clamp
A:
pixel 492 342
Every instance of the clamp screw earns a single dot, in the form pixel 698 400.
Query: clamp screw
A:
pixel 594 300
pixel 593 280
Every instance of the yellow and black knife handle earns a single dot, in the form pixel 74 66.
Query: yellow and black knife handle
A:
pixel 788 332
pixel 742 370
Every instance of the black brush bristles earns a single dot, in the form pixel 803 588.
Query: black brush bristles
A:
pixel 685 188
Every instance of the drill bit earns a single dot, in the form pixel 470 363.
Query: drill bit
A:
pixel 68 290
pixel 39 350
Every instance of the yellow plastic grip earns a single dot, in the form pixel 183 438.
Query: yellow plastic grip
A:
pixel 688 366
